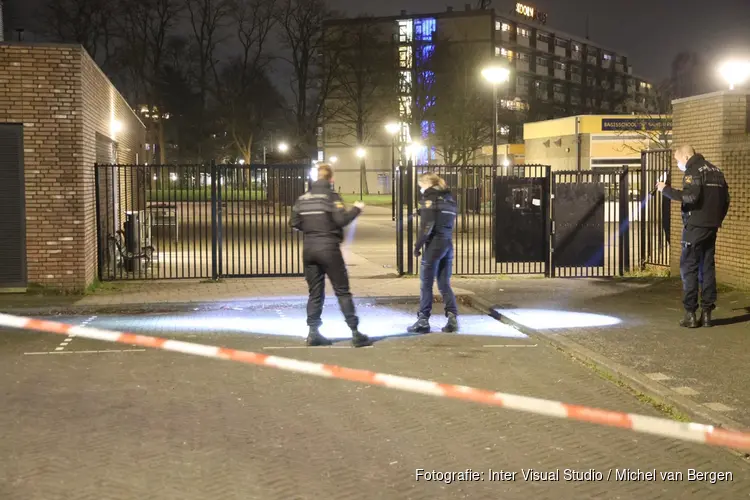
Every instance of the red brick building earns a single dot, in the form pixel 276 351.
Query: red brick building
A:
pixel 59 115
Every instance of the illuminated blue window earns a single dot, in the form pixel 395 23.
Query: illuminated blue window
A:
pixel 424 29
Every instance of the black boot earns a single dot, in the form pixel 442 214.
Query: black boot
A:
pixel 706 319
pixel 452 325
pixel 360 339
pixel 315 339
pixel 421 326
pixel 689 321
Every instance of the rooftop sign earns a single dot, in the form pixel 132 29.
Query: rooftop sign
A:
pixel 530 12
pixel 619 124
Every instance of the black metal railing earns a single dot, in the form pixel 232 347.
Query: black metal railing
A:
pixel 198 221
pixel 474 239
pixel 526 219
pixel 655 209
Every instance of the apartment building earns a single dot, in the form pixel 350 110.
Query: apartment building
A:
pixel 553 75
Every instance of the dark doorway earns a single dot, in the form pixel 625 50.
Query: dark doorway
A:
pixel 13 272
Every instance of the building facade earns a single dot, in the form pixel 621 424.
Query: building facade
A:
pixel 595 141
pixel 553 75
pixel 59 115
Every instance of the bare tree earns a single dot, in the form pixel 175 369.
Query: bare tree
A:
pixel 652 123
pixel 86 22
pixel 364 87
pixel 244 91
pixel 206 19
pixel 460 112
pixel 311 55
pixel 146 27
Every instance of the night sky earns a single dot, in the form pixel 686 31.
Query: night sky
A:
pixel 650 32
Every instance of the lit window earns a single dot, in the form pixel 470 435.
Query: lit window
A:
pixel 504 130
pixel 576 47
pixel 506 27
pixel 607 57
pixel 540 61
pixel 501 51
pixel 523 32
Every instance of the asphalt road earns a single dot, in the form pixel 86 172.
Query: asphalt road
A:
pixel 95 420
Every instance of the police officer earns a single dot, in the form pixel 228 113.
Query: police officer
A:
pixel 705 203
pixel 321 216
pixel 438 217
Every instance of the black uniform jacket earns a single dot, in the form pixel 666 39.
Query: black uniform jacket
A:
pixel 320 214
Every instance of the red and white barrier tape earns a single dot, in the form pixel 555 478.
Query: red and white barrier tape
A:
pixel 698 433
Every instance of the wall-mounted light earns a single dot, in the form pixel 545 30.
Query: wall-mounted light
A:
pixel 115 127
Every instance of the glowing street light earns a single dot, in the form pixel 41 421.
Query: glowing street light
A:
pixel 283 147
pixel 242 161
pixel 495 74
pixel 392 128
pixel 361 153
pixel 333 159
pixel 735 72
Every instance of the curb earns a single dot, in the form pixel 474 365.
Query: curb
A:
pixel 172 307
pixel 627 376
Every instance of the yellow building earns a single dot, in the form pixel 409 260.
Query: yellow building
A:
pixel 594 141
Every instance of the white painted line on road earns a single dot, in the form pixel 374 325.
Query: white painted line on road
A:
pixel 718 407
pixel 685 391
pixel 72 335
pixel 658 376
pixel 510 345
pixel 83 352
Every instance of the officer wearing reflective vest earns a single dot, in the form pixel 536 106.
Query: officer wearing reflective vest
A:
pixel 435 244
pixel 320 214
pixel 705 203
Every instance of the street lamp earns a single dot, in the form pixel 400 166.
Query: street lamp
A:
pixel 283 147
pixel 333 159
pixel 393 129
pixel 496 75
pixel 361 153
pixel 735 72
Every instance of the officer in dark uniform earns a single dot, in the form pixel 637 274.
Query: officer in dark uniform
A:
pixel 438 217
pixel 321 216
pixel 705 203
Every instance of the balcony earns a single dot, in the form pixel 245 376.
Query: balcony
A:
pixel 559 97
pixel 560 74
pixel 542 70
pixel 576 55
pixel 522 65
pixel 561 51
pixel 575 78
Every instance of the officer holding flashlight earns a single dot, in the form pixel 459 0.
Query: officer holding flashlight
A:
pixel 320 214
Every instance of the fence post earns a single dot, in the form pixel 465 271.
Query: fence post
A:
pixel 99 249
pixel 642 223
pixel 551 224
pixel 399 208
pixel 214 249
pixel 410 215
pixel 547 214
pixel 624 225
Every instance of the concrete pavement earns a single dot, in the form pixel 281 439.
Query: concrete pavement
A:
pixel 630 329
pixel 150 424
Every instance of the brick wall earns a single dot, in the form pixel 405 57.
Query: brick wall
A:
pixel 63 100
pixel 716 125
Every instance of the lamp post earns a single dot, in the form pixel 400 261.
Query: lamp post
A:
pixel 496 75
pixel 361 153
pixel 735 72
pixel 392 129
pixel 283 147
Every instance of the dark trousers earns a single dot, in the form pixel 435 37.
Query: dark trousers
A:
pixel 319 262
pixel 698 269
pixel 437 262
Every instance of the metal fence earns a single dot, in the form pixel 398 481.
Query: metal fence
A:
pixel 526 219
pixel 655 209
pixel 198 221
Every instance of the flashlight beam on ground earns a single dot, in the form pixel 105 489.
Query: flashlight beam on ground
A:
pixel 697 433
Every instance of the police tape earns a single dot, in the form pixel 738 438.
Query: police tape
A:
pixel 698 433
